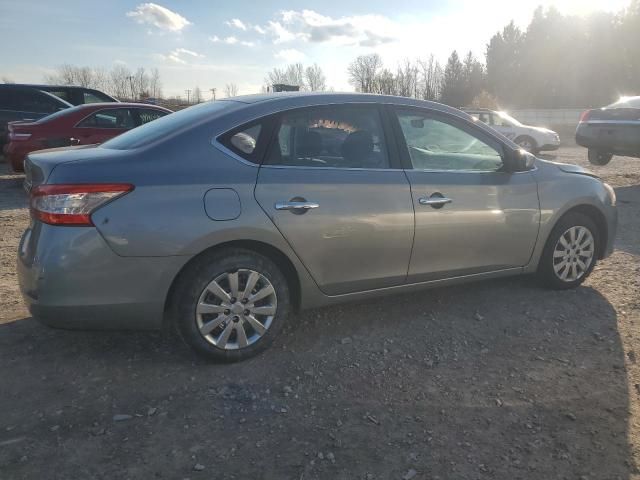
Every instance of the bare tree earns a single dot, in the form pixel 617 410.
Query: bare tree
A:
pixel 155 85
pixel 430 78
pixel 231 90
pixel 292 74
pixel 315 79
pixel 120 86
pixel 363 72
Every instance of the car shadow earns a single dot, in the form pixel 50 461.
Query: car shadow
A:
pixel 499 379
pixel 628 199
pixel 12 195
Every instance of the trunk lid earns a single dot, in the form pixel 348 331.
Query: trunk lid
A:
pixel 39 165
pixel 607 115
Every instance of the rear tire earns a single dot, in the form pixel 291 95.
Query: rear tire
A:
pixel 231 304
pixel 598 158
pixel 574 242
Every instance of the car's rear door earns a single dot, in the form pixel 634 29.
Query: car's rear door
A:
pixel 332 185
pixel 472 214
pixel 102 125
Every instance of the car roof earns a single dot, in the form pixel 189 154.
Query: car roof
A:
pixel 282 100
pixel 47 87
pixel 98 105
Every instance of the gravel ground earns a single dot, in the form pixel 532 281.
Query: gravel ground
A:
pixel 493 380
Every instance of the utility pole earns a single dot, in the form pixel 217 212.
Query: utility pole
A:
pixel 188 92
pixel 130 77
pixel 213 94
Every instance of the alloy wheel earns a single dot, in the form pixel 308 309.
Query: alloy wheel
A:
pixel 573 253
pixel 236 309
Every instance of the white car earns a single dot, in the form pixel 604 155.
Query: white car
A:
pixel 532 139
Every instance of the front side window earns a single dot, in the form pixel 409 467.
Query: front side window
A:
pixel 348 136
pixel 147 115
pixel 437 145
pixel 90 97
pixel 113 118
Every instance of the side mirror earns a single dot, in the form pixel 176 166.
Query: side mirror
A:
pixel 523 161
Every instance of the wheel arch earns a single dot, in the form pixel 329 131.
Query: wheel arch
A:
pixel 598 218
pixel 534 142
pixel 274 254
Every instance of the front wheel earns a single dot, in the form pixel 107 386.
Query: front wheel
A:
pixel 598 158
pixel 570 252
pixel 527 143
pixel 230 305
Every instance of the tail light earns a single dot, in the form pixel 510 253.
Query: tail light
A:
pixel 73 204
pixel 13 136
pixel 585 115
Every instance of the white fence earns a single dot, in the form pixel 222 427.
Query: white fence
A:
pixel 560 117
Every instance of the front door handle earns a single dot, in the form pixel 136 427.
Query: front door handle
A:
pixel 435 201
pixel 296 206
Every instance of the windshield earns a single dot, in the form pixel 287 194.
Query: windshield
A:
pixel 508 118
pixel 632 102
pixel 152 131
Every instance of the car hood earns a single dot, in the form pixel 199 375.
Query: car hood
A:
pixel 542 130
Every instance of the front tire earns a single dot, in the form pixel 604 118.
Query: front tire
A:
pixel 598 158
pixel 570 253
pixel 527 143
pixel 230 304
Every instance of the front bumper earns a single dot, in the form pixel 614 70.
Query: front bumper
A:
pixel 611 216
pixel 70 278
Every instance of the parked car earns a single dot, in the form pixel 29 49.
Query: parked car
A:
pixel 222 218
pixel 82 125
pixel 30 102
pixel 611 130
pixel 532 139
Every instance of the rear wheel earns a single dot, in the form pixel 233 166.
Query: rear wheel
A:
pixel 570 253
pixel 599 158
pixel 527 143
pixel 231 304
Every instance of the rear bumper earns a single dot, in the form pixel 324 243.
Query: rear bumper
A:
pixel 70 278
pixel 616 139
pixel 15 156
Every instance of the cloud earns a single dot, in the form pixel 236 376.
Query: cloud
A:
pixel 290 55
pixel 178 55
pixel 231 40
pixel 311 26
pixel 158 16
pixel 237 23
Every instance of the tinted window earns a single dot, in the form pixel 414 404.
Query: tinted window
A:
pixel 147 115
pixel 169 124
pixel 63 94
pixel 345 136
pixel 29 101
pixel 245 141
pixel 112 118
pixel 438 145
pixel 95 97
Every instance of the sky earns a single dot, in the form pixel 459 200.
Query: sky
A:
pixel 209 43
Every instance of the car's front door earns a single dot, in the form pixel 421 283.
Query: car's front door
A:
pixel 331 186
pixel 102 125
pixel 472 214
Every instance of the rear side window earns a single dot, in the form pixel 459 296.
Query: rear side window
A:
pixel 346 136
pixel 95 97
pixel 112 118
pixel 244 141
pixel 148 115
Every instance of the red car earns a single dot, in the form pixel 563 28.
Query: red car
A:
pixel 82 125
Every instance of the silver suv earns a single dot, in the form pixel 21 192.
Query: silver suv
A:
pixel 222 218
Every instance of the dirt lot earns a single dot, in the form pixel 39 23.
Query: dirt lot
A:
pixel 494 380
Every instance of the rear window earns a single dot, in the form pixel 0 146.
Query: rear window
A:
pixel 153 131
pixel 59 114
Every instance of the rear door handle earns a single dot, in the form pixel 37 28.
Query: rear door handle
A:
pixel 434 201
pixel 296 205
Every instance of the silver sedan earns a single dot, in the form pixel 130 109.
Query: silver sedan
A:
pixel 221 219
